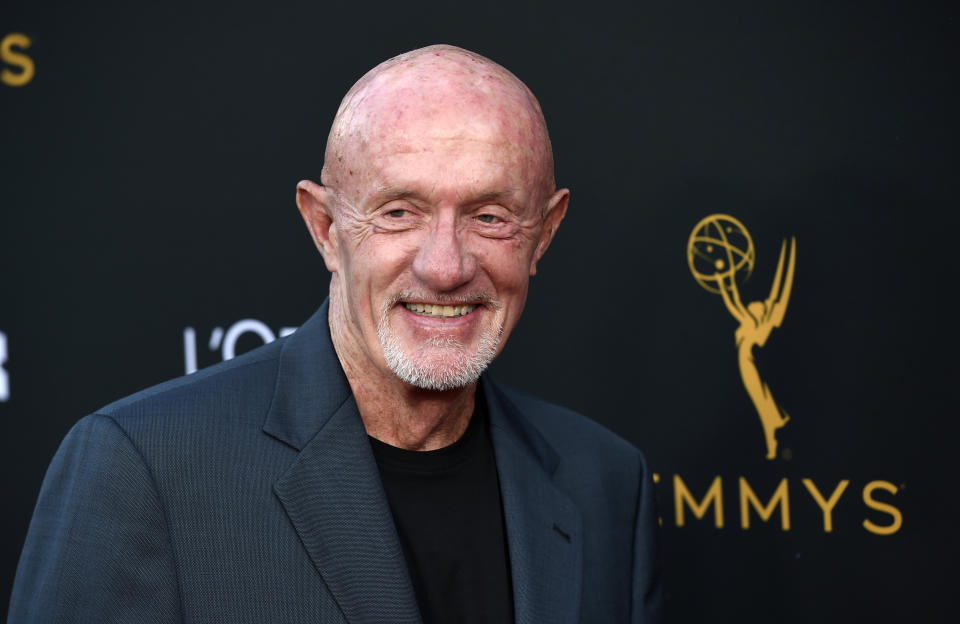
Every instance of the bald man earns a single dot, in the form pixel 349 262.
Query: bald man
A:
pixel 365 469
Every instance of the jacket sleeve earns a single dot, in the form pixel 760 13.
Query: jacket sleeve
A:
pixel 647 589
pixel 98 548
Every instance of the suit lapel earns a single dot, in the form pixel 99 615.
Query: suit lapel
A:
pixel 544 534
pixel 336 503
pixel 335 500
pixel 332 491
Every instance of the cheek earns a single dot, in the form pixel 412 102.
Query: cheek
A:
pixel 381 259
pixel 507 264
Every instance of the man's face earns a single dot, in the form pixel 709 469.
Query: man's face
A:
pixel 437 229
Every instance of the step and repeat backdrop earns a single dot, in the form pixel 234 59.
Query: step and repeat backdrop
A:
pixel 754 284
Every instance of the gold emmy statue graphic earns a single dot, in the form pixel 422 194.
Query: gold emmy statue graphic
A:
pixel 720 252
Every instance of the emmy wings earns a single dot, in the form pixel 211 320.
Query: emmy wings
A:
pixel 769 313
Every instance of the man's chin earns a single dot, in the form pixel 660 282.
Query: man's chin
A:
pixel 442 361
pixel 436 368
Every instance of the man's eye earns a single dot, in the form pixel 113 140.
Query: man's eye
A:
pixel 488 218
pixel 397 214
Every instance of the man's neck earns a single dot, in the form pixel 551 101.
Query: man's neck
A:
pixel 400 414
pixel 411 418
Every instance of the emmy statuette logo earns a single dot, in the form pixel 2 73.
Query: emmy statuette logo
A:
pixel 721 256
pixel 720 253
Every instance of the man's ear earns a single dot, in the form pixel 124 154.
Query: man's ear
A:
pixel 315 204
pixel 554 214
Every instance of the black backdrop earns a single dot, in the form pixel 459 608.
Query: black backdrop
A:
pixel 147 172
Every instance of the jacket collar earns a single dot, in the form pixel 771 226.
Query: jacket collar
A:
pixel 332 491
pixel 310 384
pixel 544 526
pixel 334 497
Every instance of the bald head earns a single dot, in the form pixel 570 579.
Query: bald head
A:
pixel 438 90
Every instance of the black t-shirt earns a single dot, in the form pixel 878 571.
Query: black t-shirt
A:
pixel 446 506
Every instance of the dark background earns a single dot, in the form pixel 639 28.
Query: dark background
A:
pixel 147 178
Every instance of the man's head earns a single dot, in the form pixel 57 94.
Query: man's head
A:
pixel 437 202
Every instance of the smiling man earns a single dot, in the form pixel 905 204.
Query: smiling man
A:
pixel 437 202
pixel 364 469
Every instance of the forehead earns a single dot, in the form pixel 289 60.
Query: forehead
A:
pixel 466 119
pixel 434 138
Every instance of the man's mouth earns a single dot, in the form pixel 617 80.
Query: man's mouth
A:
pixel 439 311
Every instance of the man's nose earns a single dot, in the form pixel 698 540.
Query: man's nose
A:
pixel 443 263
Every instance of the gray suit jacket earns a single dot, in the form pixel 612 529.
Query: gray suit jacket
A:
pixel 247 492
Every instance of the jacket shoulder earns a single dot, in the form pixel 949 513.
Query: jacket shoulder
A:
pixel 241 384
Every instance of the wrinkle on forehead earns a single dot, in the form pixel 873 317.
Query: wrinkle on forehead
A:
pixel 438 92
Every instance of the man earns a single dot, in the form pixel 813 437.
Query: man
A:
pixel 363 469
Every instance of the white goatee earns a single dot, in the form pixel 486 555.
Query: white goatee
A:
pixel 440 363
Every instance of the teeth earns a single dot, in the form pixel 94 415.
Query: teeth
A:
pixel 443 311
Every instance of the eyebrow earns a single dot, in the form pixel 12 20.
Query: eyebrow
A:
pixel 391 193
pixel 493 196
